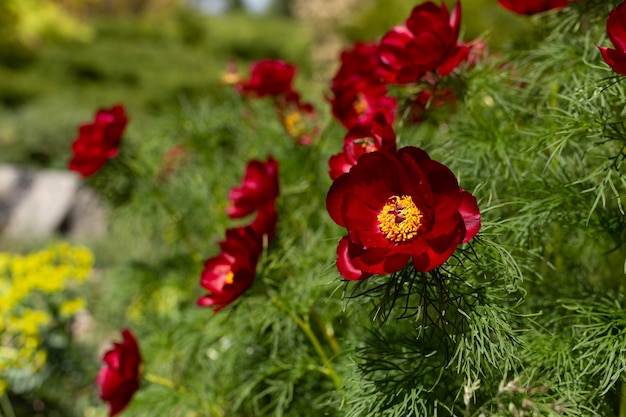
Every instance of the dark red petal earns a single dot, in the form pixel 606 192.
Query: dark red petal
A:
pixel 440 249
pixel 615 59
pixel 458 54
pixel 344 264
pixel 379 260
pixel 616 27
pixel 338 165
pixel 335 196
pixel 471 215
pixel 455 19
pixel 362 223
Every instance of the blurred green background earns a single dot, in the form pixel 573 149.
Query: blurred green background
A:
pixel 62 59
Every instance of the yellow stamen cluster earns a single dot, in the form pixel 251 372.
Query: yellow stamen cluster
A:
pixel 230 277
pixel 366 144
pixel 360 104
pixel 400 219
pixel 294 124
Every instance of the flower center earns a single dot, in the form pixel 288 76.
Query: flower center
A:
pixel 294 124
pixel 367 145
pixel 230 277
pixel 400 219
pixel 360 104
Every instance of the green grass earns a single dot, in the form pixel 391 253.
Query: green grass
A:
pixel 150 66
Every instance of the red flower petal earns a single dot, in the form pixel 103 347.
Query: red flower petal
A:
pixel 471 215
pixel 529 7
pixel 344 264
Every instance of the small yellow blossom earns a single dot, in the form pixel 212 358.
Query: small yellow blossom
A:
pixel 70 307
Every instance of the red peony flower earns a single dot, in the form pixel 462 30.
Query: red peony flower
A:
pixel 616 28
pixel 118 378
pixel 98 141
pixel 358 89
pixel 427 41
pixel 358 102
pixel 361 61
pixel 529 7
pixel 399 207
pixel 258 189
pixel 268 77
pixel 361 140
pixel 229 274
pixel 298 118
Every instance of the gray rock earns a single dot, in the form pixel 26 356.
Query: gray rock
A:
pixel 87 217
pixel 38 204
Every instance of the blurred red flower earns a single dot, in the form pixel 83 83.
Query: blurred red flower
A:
pixel 397 208
pixel 358 89
pixel 427 41
pixel 529 7
pixel 264 223
pixel 357 103
pixel 229 274
pixel 299 119
pixel 118 378
pixel 258 189
pixel 616 29
pixel 268 77
pixel 98 141
pixel 361 61
pixel 361 140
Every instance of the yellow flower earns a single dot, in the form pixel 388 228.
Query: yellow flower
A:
pixel 54 269
pixel 70 307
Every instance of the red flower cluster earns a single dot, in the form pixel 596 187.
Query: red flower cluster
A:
pixel 399 207
pixel 268 77
pixel 359 92
pixel 427 41
pixel 529 7
pixel 98 141
pixel 229 274
pixel 274 78
pixel 616 29
pixel 424 49
pixel 361 140
pixel 118 379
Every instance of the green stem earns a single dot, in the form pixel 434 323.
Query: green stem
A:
pixel 7 408
pixel 327 331
pixel 622 400
pixel 305 326
pixel 167 383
